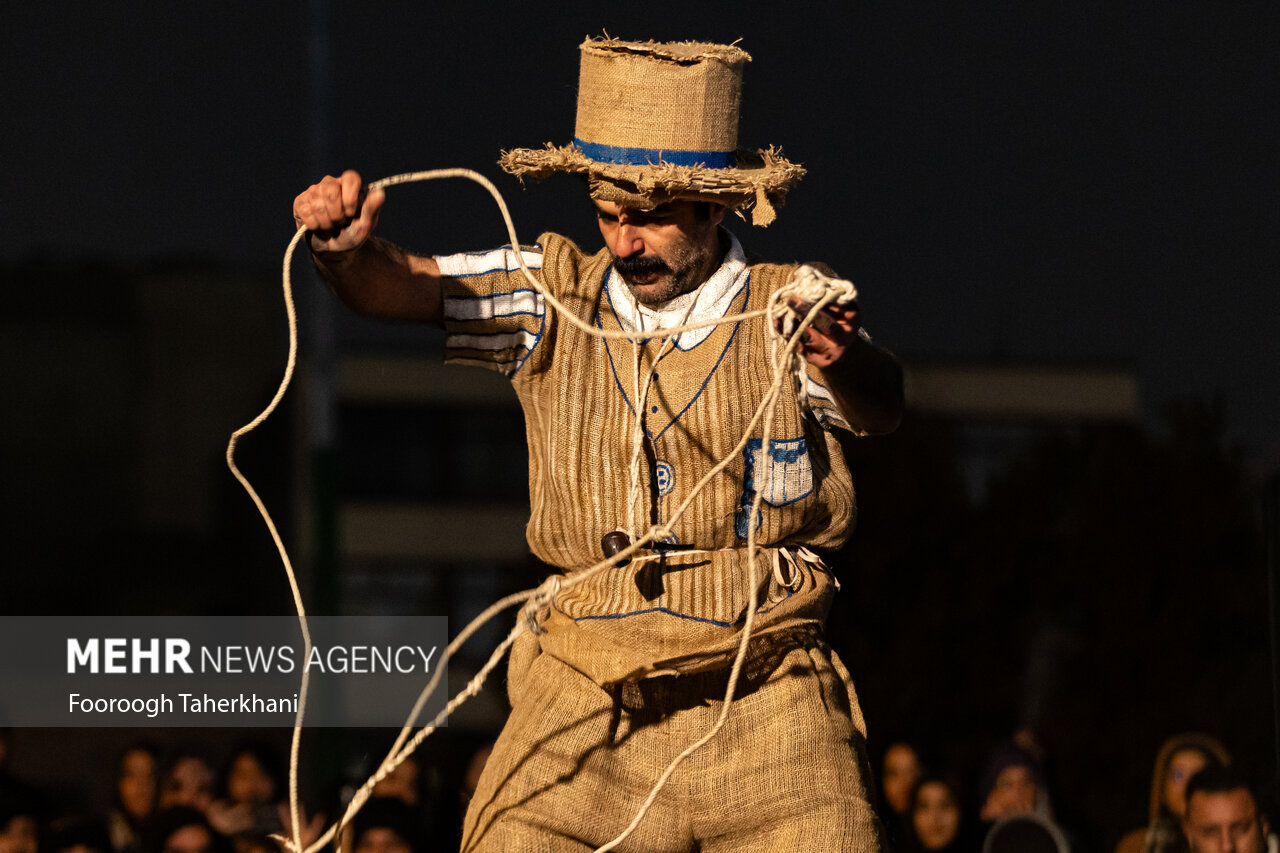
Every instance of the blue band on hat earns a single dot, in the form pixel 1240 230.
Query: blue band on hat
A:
pixel 652 156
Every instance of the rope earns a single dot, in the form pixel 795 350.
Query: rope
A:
pixel 641 395
pixel 292 315
pixel 807 285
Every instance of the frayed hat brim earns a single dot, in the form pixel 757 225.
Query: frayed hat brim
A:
pixel 759 182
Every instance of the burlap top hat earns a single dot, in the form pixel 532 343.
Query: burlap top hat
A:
pixel 659 122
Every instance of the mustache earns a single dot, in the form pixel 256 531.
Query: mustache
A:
pixel 640 265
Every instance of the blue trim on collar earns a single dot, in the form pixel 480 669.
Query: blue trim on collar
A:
pixel 744 294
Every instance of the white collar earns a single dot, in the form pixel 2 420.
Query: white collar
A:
pixel 709 301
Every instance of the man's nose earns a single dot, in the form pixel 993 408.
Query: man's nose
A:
pixel 627 241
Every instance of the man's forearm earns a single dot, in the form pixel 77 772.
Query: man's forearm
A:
pixel 867 385
pixel 379 279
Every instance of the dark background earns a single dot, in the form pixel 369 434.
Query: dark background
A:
pixel 1064 184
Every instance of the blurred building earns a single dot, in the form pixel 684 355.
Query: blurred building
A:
pixel 996 411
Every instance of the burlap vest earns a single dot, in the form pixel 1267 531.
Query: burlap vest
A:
pixel 682 610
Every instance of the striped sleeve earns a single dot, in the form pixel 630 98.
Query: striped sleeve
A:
pixel 493 317
pixel 817 398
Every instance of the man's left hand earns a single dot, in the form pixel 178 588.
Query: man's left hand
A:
pixel 829 336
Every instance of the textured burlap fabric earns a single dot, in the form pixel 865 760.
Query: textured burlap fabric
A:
pixel 577 393
pixel 597 716
pixel 658 122
pixel 681 613
pixel 786 773
pixel 710 588
pixel 683 98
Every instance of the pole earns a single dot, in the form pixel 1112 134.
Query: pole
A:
pixel 1271 526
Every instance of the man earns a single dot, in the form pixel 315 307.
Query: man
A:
pixel 1178 759
pixel 1222 814
pixel 629 666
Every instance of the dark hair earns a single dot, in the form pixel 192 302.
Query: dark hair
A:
pixel 388 813
pixel 145 747
pixel 961 839
pixel 138 746
pixel 77 832
pixel 17 802
pixel 933 777
pixel 181 754
pixel 166 822
pixel 1219 779
pixel 267 760
pixel 1025 834
pixel 1005 755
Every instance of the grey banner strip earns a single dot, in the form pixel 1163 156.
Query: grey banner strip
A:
pixel 217 671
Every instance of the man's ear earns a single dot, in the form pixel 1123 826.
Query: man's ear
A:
pixel 717 213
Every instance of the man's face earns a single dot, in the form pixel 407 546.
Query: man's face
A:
pixel 664 252
pixel 1224 823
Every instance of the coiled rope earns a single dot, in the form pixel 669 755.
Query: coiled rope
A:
pixel 785 325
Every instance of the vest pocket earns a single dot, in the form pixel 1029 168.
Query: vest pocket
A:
pixel 782 476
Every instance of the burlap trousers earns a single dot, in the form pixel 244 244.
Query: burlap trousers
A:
pixel 575 762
